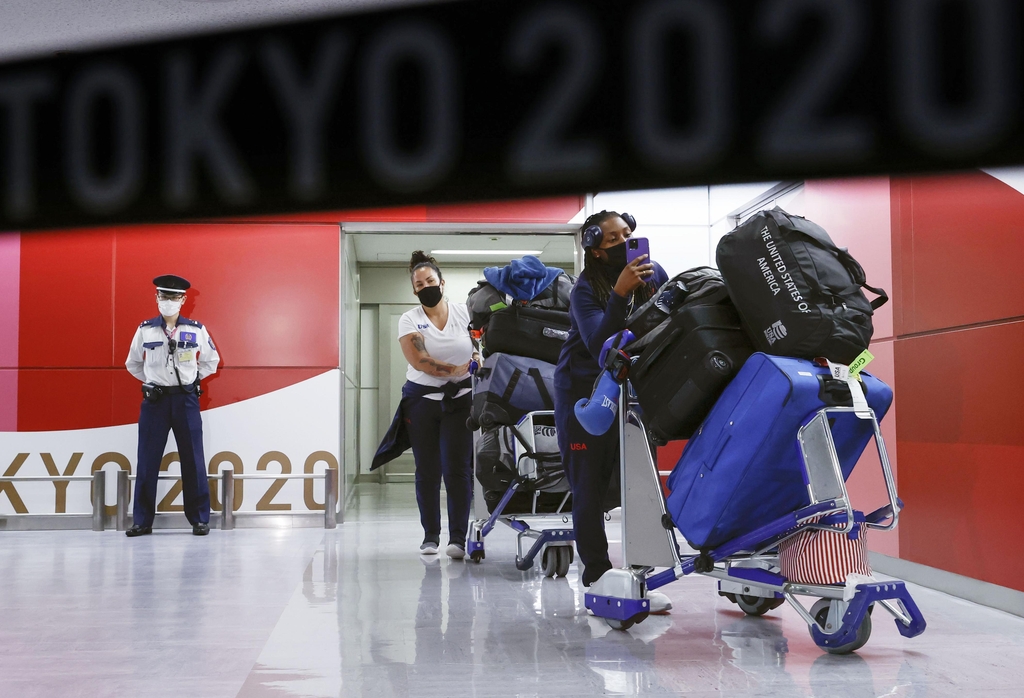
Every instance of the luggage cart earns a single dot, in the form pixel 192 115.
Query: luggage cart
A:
pixel 553 545
pixel 747 567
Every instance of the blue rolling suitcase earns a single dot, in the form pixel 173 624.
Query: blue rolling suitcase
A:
pixel 743 467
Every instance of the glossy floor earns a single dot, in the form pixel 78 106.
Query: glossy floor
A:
pixel 353 612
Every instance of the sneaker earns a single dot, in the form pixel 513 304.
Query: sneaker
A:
pixel 429 547
pixel 660 604
pixel 455 551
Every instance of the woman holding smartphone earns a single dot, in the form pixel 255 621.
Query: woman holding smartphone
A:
pixel 607 290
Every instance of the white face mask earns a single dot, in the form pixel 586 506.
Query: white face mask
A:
pixel 169 308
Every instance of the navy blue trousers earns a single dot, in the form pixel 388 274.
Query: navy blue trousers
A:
pixel 442 446
pixel 179 413
pixel 590 463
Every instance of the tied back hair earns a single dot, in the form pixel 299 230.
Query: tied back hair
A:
pixel 596 270
pixel 421 259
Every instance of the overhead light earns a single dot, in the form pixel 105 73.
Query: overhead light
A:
pixel 502 253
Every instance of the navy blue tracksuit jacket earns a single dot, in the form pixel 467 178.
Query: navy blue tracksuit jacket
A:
pixel 591 462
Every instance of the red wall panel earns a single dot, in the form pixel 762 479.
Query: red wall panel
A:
pixel 856 214
pixel 66 307
pixel 559 210
pixel 554 210
pixel 268 293
pixel 960 247
pixel 53 399
pixel 956 246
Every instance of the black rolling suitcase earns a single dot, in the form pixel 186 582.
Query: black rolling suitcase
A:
pixel 679 376
pixel 535 333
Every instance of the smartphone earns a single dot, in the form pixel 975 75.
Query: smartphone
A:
pixel 637 247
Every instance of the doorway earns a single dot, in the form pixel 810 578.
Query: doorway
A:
pixel 381 252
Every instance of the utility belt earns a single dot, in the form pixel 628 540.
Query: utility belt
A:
pixel 153 392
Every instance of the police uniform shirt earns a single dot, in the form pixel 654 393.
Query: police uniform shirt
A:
pixel 451 345
pixel 151 359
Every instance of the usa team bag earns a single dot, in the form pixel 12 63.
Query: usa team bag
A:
pixel 798 294
pixel 507 387
pixel 743 468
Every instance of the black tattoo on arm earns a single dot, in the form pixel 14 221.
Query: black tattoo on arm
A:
pixel 429 365
pixel 439 367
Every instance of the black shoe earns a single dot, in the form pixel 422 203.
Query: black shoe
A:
pixel 138 530
pixel 200 529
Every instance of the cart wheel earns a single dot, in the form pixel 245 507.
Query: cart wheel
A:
pixel 820 613
pixel 549 561
pixel 755 605
pixel 564 555
pixel 619 624
pixel 477 556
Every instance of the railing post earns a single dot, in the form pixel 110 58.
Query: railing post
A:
pixel 99 483
pixel 227 500
pixel 122 500
pixel 331 498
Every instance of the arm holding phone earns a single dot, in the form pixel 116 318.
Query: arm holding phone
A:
pixel 638 270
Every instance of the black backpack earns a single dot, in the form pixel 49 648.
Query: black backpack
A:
pixel 697 286
pixel 797 293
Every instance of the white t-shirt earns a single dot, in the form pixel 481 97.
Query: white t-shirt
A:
pixel 451 345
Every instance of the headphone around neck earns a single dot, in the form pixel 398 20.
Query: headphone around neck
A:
pixel 592 231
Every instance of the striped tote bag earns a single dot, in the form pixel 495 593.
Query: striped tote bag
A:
pixel 819 556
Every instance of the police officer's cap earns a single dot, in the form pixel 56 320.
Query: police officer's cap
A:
pixel 171 283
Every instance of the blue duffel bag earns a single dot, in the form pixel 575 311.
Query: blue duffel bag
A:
pixel 743 468
pixel 506 387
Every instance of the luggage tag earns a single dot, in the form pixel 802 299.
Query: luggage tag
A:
pixel 862 360
pixel 844 373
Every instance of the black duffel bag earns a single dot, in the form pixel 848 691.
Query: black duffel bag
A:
pixel 797 293
pixel 506 387
pixel 535 333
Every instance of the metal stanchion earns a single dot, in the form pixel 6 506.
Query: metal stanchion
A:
pixel 227 500
pixel 122 500
pixel 99 484
pixel 331 498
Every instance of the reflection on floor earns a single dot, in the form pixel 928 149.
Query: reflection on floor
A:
pixel 356 612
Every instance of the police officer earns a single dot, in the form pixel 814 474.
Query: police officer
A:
pixel 170 355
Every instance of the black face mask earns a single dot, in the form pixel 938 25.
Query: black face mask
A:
pixel 431 295
pixel 616 261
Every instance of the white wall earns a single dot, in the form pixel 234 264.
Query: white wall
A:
pixel 684 225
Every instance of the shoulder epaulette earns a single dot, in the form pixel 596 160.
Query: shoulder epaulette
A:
pixel 186 321
pixel 152 322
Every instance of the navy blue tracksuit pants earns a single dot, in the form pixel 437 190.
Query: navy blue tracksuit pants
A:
pixel 442 446
pixel 179 413
pixel 590 463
